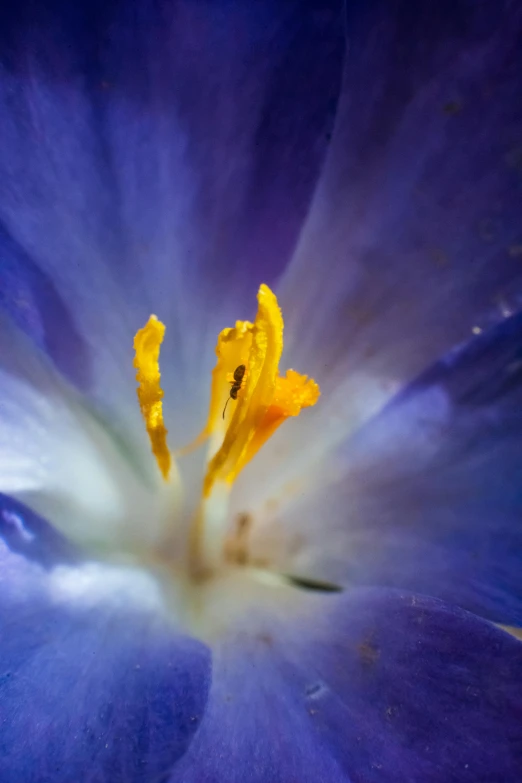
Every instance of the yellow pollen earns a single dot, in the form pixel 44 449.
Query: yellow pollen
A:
pixel 264 400
pixel 147 342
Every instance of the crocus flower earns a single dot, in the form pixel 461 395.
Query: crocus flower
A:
pixel 260 399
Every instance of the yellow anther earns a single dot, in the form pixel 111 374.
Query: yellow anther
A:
pixel 293 392
pixel 265 399
pixel 147 342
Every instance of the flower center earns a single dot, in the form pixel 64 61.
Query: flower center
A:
pixel 249 400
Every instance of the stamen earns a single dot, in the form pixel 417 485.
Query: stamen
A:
pixel 147 342
pixel 265 399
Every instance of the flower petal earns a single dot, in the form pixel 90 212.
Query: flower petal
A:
pixel 375 686
pixel 56 456
pixel 32 301
pixel 148 166
pixel 414 237
pixel 427 495
pixel 94 683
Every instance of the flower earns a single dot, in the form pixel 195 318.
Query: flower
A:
pixel 194 593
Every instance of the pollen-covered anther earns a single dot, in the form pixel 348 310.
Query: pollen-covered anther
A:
pixel 147 343
pixel 293 392
pixel 264 399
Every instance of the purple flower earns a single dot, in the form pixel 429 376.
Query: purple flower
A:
pixel 336 601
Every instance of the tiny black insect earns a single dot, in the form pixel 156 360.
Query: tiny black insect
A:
pixel 239 374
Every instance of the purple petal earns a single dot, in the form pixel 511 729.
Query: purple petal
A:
pixel 93 686
pixel 374 686
pixel 159 158
pixel 414 237
pixel 430 497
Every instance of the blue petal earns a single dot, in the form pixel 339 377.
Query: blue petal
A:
pixel 415 236
pixel 91 689
pixel 431 497
pixel 375 686
pixel 148 165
